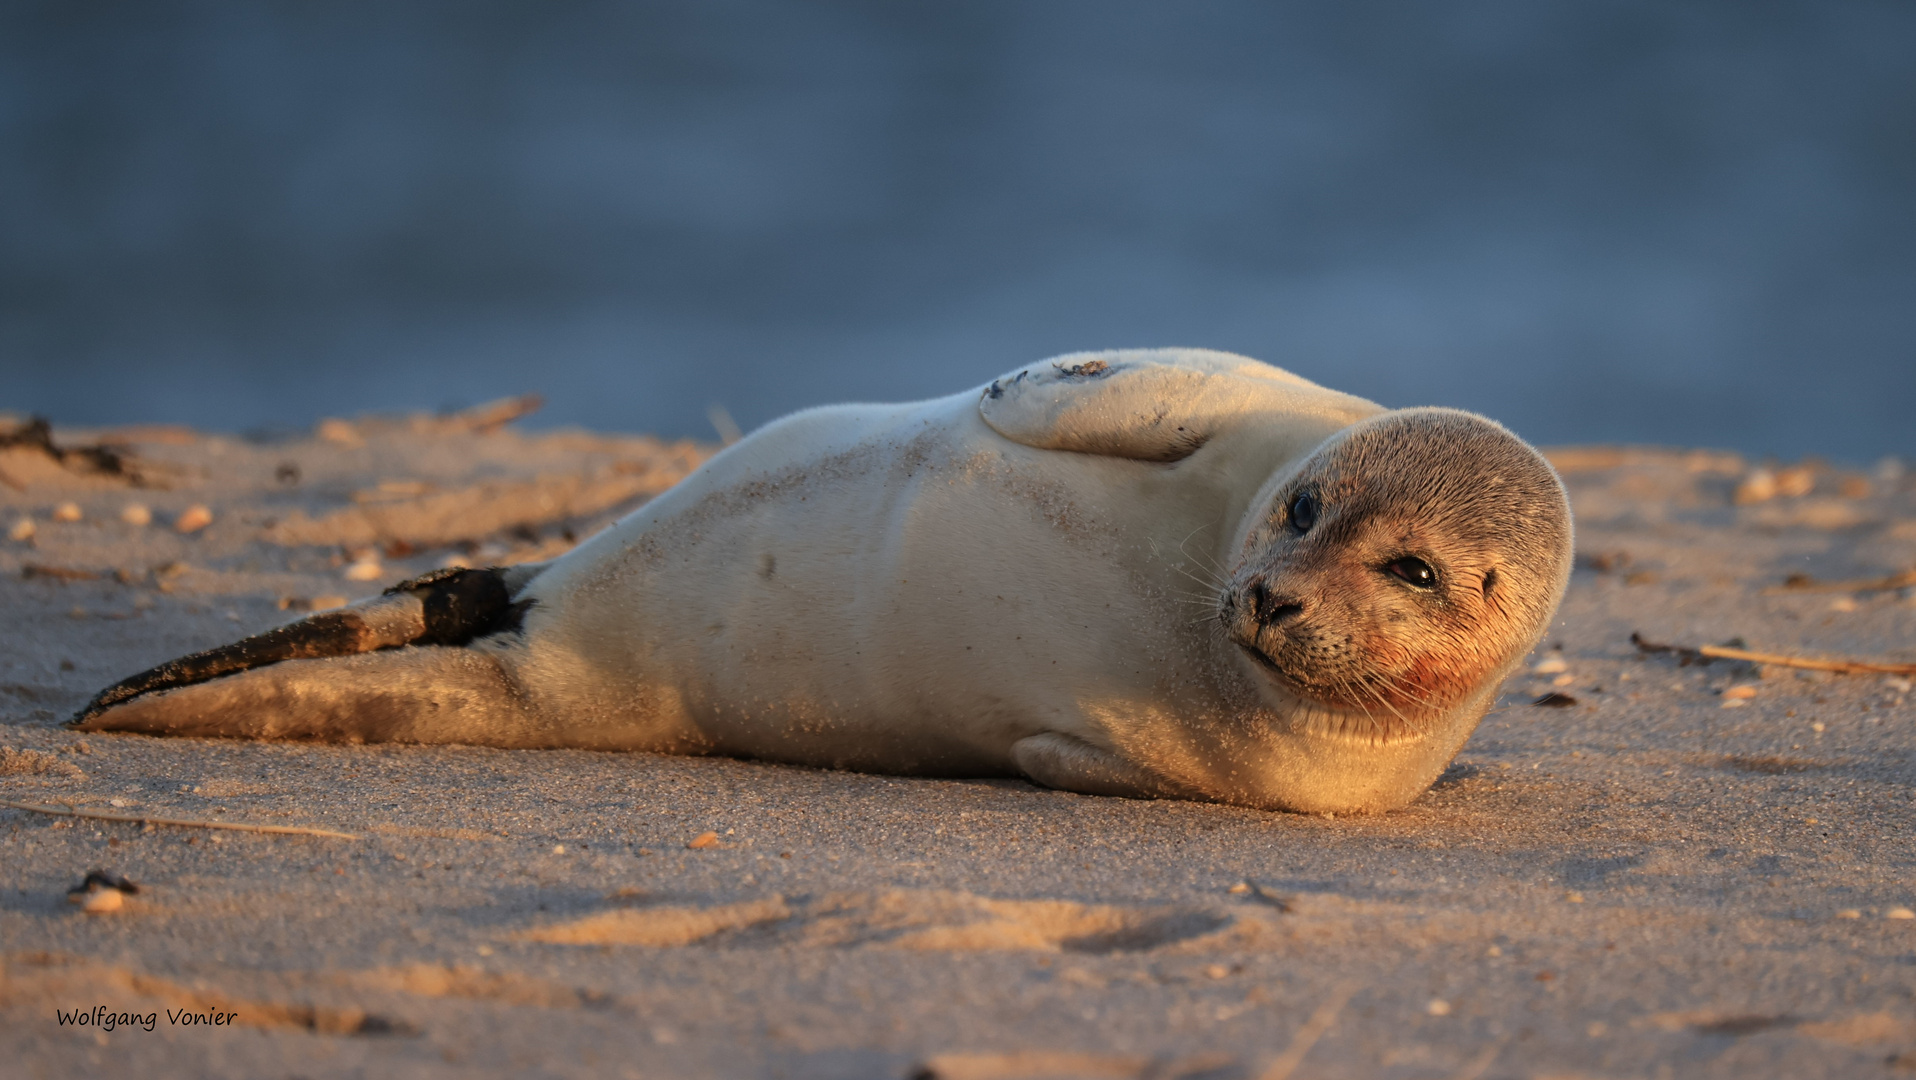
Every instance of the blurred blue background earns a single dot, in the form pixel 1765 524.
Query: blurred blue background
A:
pixel 1683 223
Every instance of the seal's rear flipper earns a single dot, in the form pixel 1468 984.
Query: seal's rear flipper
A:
pixel 292 667
pixel 434 694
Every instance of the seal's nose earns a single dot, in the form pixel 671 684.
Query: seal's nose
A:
pixel 1270 609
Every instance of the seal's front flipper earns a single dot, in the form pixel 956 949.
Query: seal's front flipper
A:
pixel 443 608
pixel 1068 764
pixel 431 694
pixel 1152 404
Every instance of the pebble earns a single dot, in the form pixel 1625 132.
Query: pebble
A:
pixel 102 901
pixel 136 515
pixel 1758 486
pixel 1438 1007
pixel 366 569
pixel 1899 913
pixel 1843 603
pixel 1550 665
pixel 702 841
pixel 1239 889
pixel 67 511
pixel 1740 692
pixel 193 518
pixel 328 602
pixel 1849 913
pixel 21 529
pixel 1563 680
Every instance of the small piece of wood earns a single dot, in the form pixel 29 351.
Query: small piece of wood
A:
pixel 1803 583
pixel 493 415
pixel 1706 653
pixel 59 573
pixel 183 823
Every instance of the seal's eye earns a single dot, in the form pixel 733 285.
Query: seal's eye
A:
pixel 1303 512
pixel 1414 570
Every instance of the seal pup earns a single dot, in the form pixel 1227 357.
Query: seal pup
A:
pixel 1146 573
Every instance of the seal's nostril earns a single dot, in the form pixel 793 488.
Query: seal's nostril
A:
pixel 1270 610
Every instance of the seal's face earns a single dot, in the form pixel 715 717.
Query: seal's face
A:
pixel 1410 559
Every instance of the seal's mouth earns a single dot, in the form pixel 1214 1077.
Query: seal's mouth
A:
pixel 1263 661
pixel 1290 683
pixel 1328 715
pixel 1245 638
pixel 1319 675
pixel 1241 626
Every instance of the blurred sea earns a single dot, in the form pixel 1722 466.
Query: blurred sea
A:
pixel 1686 223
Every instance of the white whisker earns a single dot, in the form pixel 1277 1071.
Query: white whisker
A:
pixel 1215 566
pixel 1201 581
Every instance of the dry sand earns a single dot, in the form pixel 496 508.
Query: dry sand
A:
pixel 1691 871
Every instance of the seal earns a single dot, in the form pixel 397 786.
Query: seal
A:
pixel 1148 573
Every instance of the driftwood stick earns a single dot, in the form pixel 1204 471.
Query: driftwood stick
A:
pixel 1805 584
pixel 492 415
pixel 1706 653
pixel 184 823
pixel 59 573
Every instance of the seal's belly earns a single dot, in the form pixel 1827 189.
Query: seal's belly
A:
pixel 915 599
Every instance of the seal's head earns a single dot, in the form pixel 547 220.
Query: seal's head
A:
pixel 1413 557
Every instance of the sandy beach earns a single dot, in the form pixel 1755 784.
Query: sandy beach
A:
pixel 1671 870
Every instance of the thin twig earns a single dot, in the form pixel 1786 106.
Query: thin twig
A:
pixel 61 573
pixel 1806 584
pixel 1705 653
pixel 1313 1030
pixel 492 415
pixel 184 823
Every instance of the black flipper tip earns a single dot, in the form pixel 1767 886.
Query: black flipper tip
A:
pixel 459 605
pixel 332 633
